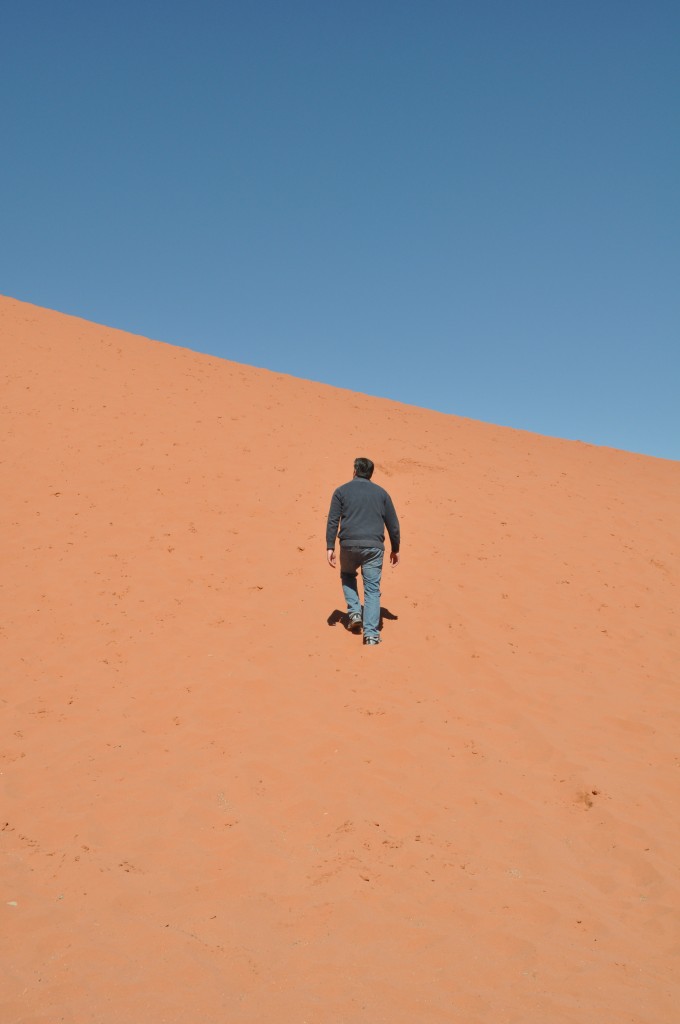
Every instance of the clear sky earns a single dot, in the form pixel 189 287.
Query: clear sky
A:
pixel 471 206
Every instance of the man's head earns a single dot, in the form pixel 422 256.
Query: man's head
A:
pixel 363 468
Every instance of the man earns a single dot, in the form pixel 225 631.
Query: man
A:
pixel 362 510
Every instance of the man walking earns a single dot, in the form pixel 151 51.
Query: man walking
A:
pixel 362 510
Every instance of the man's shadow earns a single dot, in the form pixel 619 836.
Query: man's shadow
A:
pixel 337 616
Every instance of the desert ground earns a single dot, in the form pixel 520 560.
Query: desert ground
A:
pixel 219 806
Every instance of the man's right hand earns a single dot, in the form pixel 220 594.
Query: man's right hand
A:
pixel 394 559
pixel 331 557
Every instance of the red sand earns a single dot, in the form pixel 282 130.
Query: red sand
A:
pixel 218 808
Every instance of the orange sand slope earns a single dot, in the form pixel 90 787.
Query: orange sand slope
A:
pixel 218 807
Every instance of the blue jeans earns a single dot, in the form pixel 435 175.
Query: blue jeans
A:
pixel 370 560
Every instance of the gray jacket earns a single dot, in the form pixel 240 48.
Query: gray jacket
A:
pixel 362 510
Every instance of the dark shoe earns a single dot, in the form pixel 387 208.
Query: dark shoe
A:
pixel 371 641
pixel 355 623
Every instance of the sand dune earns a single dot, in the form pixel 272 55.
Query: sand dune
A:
pixel 218 807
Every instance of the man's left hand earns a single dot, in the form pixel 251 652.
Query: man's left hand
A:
pixel 332 560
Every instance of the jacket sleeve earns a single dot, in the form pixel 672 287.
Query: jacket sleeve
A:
pixel 333 520
pixel 392 524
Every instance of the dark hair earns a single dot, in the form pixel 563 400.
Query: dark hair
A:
pixel 364 468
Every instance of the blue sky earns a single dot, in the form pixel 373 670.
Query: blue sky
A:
pixel 470 206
